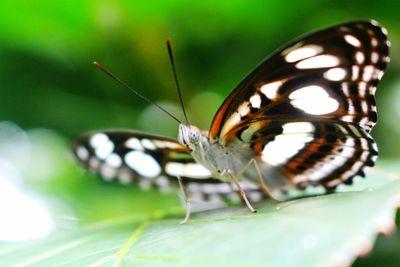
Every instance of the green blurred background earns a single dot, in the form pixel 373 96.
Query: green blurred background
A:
pixel 50 91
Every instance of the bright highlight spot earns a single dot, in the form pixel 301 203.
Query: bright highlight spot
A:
pixel 284 147
pixel 302 53
pixel 352 40
pixel 102 145
pixel 360 57
pixel 133 143
pixel 148 144
pixel 322 61
pixel 143 164
pixel 270 90
pixel 194 170
pixel 298 127
pixel 114 160
pixel 255 101
pixel 82 153
pixel 335 74
pixel 313 100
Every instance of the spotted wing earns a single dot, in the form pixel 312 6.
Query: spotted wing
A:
pixel 330 75
pixel 312 153
pixel 152 162
pixel 306 111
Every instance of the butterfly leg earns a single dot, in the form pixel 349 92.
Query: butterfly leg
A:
pixel 187 201
pixel 263 186
pixel 241 191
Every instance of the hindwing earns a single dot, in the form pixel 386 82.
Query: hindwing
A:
pixel 152 161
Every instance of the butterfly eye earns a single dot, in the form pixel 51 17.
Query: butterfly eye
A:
pixel 194 137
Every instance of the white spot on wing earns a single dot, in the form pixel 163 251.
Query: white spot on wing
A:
pixel 94 163
pixel 98 139
pixel 102 145
pixel 302 53
pixel 360 57
pixel 374 57
pixel 351 109
pixel 345 89
pixel 133 143
pixel 362 88
pixel 386 59
pixel 114 160
pixel 298 127
pixel 145 165
pixel 233 120
pixel 299 179
pixel 148 144
pixel 374 22
pixel 364 106
pixel 270 90
pixel 193 170
pixel 313 100
pixel 348 118
pixel 335 74
pixel 322 61
pixel 333 183
pixel 107 172
pixel 312 91
pixel 380 74
pixel 283 147
pixel 355 72
pixel 338 160
pixel 125 176
pixel 369 72
pixel 315 175
pixel 352 40
pixel 255 101
pixel 244 109
pixel 82 153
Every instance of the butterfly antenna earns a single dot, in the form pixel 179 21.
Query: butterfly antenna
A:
pixel 122 83
pixel 171 58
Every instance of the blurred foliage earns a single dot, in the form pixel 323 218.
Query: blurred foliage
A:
pixel 50 88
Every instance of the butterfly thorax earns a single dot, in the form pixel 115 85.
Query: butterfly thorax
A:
pixel 214 156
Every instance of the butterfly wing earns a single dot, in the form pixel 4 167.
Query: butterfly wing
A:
pixel 306 111
pixel 151 161
pixel 329 75
pixel 312 153
pixel 130 156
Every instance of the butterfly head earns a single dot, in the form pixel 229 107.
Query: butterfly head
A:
pixel 189 136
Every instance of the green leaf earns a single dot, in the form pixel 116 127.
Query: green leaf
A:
pixel 329 230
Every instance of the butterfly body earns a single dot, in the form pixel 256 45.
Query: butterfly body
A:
pixel 216 157
pixel 301 118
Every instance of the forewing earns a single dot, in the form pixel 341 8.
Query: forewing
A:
pixel 330 75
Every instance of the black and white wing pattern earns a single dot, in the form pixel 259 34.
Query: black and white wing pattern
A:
pixel 307 110
pixel 151 161
pixel 304 116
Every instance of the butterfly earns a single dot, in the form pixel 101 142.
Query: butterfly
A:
pixel 301 118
